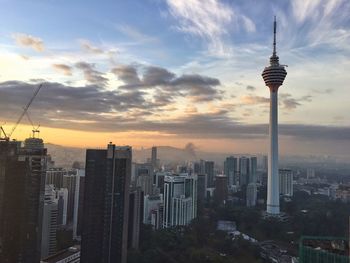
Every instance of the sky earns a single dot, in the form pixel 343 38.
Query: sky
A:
pixel 169 72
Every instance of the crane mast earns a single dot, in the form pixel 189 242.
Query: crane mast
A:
pixel 24 112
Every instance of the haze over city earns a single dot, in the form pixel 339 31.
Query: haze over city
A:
pixel 171 72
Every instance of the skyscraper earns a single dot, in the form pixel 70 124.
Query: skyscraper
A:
pixel 286 182
pixel 230 170
pixel 49 226
pixel 251 195
pixel 209 171
pixel 243 171
pixel 135 217
pixel 201 187
pixel 220 193
pixel 253 169
pixel 23 201
pixel 106 205
pixel 273 76
pixel 154 157
pixel 180 200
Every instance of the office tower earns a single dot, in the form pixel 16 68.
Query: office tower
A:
pixel 264 163
pixel 141 169
pixel 80 173
pixel 154 158
pixel 80 204
pixel 135 217
pixel 286 182
pixel 180 200
pixel 196 168
pixel 230 169
pixel 201 187
pixel 310 173
pixel 69 182
pixel 54 176
pixel 8 152
pixel 23 201
pixel 151 210
pixel 253 169
pixel 106 205
pixel 251 195
pixel 159 180
pixel 145 182
pixel 273 76
pixel 243 171
pixel 220 194
pixel 50 222
pixel 202 166
pixel 209 171
pixel 62 202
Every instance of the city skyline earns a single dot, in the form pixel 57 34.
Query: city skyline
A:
pixel 176 72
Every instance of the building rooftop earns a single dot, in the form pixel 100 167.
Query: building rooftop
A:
pixel 73 252
pixel 339 246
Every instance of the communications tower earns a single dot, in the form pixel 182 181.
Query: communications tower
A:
pixel 273 76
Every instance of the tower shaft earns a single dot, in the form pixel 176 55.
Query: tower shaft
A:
pixel 273 206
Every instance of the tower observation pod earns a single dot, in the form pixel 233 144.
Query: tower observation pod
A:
pixel 273 76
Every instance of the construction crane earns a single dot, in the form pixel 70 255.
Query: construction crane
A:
pixel 35 130
pixel 24 112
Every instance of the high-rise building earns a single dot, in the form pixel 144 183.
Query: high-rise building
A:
pixel 62 203
pixel 230 170
pixel 310 173
pixel 264 163
pixel 286 182
pixel 251 195
pixel 23 202
pixel 201 187
pixel 69 182
pixel 106 205
pixel 209 171
pixel 154 158
pixel 49 225
pixel 54 176
pixel 273 76
pixel 220 193
pixel 151 210
pixel 135 217
pixel 80 205
pixel 243 171
pixel 80 175
pixel 145 182
pixel 180 200
pixel 253 170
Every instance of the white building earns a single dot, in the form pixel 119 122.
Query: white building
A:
pixel 49 223
pixel 180 200
pixel 286 182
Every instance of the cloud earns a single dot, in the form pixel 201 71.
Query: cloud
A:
pixel 196 87
pixel 94 109
pixel 254 100
pixel 90 74
pixel 26 40
pixel 65 69
pixel 87 46
pixel 128 74
pixel 251 88
pixel 209 20
pixel 135 34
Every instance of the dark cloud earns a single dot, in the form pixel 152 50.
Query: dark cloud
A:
pixel 196 87
pixel 128 74
pixel 65 69
pixel 290 103
pixel 251 88
pixel 90 74
pixel 91 108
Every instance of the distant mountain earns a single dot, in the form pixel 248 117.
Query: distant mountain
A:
pixel 65 156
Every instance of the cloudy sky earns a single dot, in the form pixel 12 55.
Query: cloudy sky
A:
pixel 168 72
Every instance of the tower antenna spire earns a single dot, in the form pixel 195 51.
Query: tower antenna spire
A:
pixel 274 36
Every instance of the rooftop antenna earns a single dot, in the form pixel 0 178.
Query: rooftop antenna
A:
pixel 274 37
